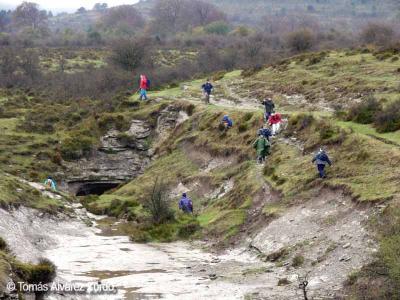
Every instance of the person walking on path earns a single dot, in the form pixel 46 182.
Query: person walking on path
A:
pixel 261 145
pixel 185 204
pixel 275 121
pixel 269 106
pixel 144 85
pixel 265 132
pixel 321 159
pixel 207 90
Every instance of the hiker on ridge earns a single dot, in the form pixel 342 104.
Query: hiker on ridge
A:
pixel 321 159
pixel 207 90
pixel 269 106
pixel 185 204
pixel 50 183
pixel 262 147
pixel 144 85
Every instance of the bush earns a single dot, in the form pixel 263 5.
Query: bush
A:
pixel 217 27
pixel 388 119
pixel 76 147
pixel 44 272
pixel 297 261
pixel 300 41
pixel 364 112
pixel 378 34
pixel 300 122
pixel 107 122
pixel 188 228
pixel 130 55
pixel 157 204
pixel 3 245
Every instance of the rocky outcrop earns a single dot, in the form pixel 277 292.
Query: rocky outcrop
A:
pixel 120 157
pixel 168 119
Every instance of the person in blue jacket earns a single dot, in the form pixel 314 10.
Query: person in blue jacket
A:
pixel 265 132
pixel 321 159
pixel 227 122
pixel 207 89
pixel 185 204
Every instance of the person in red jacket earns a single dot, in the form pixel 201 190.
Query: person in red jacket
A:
pixel 275 121
pixel 143 86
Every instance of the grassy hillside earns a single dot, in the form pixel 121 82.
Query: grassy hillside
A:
pixel 357 150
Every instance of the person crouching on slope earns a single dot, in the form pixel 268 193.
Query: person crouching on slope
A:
pixel 50 183
pixel 321 159
pixel 275 121
pixel 262 147
pixel 227 122
pixel 185 204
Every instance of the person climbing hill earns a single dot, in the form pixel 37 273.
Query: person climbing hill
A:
pixel 265 132
pixel 269 106
pixel 186 204
pixel 321 159
pixel 207 90
pixel 275 121
pixel 262 147
pixel 227 122
pixel 144 85
pixel 50 183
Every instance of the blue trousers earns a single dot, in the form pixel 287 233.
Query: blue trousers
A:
pixel 321 171
pixel 143 94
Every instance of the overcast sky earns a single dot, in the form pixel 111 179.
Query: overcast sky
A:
pixel 68 6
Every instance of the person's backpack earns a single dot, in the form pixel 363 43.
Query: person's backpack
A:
pixel 148 83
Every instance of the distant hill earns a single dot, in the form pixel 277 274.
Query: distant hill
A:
pixel 325 11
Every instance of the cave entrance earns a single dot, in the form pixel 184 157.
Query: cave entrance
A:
pixel 95 188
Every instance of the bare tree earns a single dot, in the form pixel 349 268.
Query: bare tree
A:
pixel 203 13
pixel 28 14
pixel 167 14
pixel 379 34
pixel 100 6
pixel 301 40
pixel 123 16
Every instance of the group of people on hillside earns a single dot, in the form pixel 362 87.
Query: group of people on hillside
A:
pixel 271 127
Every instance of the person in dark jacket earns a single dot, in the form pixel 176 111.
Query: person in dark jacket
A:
pixel 265 132
pixel 207 89
pixel 321 159
pixel 185 204
pixel 227 122
pixel 269 106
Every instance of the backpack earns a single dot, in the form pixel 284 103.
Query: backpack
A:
pixel 148 82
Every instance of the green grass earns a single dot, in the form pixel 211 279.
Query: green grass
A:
pixel 368 130
pixel 13 192
pixel 362 165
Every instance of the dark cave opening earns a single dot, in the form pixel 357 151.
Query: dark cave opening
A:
pixel 95 188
